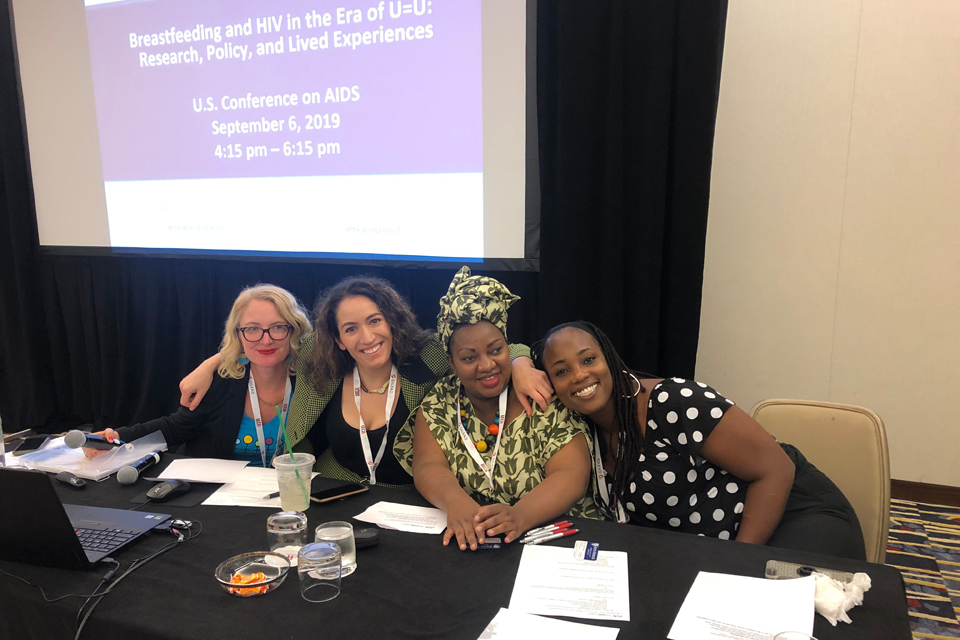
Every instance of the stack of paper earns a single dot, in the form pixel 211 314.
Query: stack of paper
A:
pixel 56 457
pixel 250 488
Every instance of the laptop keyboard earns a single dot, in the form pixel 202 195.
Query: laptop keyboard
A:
pixel 103 540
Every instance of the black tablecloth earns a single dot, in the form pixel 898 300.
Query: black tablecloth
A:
pixel 409 586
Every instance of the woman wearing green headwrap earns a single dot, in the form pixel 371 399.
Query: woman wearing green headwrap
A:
pixel 472 450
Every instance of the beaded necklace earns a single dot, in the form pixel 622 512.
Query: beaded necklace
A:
pixel 491 437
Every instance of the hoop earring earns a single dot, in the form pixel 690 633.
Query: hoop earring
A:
pixel 639 386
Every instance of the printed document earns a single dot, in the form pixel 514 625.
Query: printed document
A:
pixel 741 608
pixel 513 625
pixel 403 517
pixel 552 582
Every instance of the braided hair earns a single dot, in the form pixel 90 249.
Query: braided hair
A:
pixel 624 394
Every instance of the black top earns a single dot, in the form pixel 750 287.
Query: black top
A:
pixel 210 430
pixel 674 486
pixel 331 429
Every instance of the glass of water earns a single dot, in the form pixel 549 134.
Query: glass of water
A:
pixel 318 566
pixel 341 533
pixel 286 533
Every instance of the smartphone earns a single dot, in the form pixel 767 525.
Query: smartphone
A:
pixel 338 492
pixel 777 570
pixel 28 445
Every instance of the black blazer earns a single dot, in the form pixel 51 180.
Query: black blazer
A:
pixel 210 430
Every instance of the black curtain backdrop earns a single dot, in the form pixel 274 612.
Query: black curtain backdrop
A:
pixel 627 103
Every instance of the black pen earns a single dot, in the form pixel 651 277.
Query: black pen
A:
pixel 270 496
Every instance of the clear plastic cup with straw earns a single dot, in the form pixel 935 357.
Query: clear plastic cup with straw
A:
pixel 293 478
pixel 293 475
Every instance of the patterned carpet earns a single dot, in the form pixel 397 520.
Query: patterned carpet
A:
pixel 924 545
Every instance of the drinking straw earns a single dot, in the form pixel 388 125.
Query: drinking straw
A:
pixel 286 442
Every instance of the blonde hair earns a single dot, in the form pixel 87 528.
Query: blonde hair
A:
pixel 231 349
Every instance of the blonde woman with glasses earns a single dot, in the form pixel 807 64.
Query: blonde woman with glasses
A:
pixel 239 418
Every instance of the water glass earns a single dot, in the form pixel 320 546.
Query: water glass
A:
pixel 286 533
pixel 293 478
pixel 341 533
pixel 318 566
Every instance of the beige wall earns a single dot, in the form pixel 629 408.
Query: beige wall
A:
pixel 833 243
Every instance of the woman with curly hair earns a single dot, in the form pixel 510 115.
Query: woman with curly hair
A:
pixel 367 365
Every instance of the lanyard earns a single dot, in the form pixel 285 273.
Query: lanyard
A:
pixel 602 481
pixel 258 421
pixel 472 448
pixel 372 463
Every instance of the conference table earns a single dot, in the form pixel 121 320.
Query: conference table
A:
pixel 408 586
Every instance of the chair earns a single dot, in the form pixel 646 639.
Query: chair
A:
pixel 849 444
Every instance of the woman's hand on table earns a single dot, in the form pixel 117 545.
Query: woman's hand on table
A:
pixel 497 519
pixel 460 523
pixel 530 384
pixel 109 434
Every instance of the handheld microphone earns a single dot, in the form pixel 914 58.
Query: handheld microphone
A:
pixel 131 473
pixel 76 439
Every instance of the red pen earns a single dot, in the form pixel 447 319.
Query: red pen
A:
pixel 550 527
pixel 559 534
pixel 545 532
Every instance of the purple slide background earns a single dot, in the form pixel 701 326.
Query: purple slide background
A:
pixel 419 110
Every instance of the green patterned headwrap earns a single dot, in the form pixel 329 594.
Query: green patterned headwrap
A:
pixel 471 299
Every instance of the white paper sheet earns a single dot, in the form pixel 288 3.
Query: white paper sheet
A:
pixel 249 490
pixel 550 581
pixel 513 625
pixel 205 470
pixel 738 607
pixel 403 517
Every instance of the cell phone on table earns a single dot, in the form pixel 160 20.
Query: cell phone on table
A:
pixel 340 491
pixel 29 445
pixel 779 570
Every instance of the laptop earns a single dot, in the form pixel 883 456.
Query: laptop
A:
pixel 37 528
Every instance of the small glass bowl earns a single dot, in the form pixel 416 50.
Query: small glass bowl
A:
pixel 273 565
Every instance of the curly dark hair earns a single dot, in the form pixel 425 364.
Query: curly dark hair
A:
pixel 329 362
pixel 629 436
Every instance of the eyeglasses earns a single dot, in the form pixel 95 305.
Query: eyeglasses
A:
pixel 255 334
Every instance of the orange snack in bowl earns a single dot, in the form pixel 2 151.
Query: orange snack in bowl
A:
pixel 249 579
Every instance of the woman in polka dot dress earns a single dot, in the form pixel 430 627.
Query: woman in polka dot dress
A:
pixel 675 454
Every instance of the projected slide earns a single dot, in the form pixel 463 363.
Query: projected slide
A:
pixel 336 127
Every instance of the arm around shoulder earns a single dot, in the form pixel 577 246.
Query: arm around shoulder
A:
pixel 196 384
